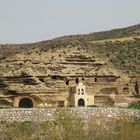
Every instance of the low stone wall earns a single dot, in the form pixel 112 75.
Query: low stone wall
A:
pixel 49 113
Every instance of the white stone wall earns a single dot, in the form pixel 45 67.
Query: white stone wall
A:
pixel 49 113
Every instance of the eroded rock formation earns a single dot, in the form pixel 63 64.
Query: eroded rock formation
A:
pixel 46 78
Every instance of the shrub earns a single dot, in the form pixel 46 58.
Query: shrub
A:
pixel 4 106
pixel 68 125
pixel 134 106
pixel 92 106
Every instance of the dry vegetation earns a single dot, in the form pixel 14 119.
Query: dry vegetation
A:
pixel 120 46
pixel 72 127
pixel 123 55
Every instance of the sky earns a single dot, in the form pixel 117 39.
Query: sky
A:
pixel 26 21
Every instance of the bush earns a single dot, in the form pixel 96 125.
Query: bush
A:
pixel 92 106
pixel 4 106
pixel 134 106
pixel 70 126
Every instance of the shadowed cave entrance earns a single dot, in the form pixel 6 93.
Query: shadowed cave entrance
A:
pixel 25 103
pixel 81 102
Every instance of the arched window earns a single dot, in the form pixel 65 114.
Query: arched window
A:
pixel 82 91
pixel 78 91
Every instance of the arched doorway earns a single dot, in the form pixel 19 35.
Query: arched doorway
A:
pixel 25 103
pixel 81 102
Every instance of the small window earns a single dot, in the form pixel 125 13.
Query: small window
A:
pixel 125 89
pixel 67 82
pixel 82 91
pixel 83 79
pixel 77 80
pixel 57 77
pixel 137 87
pixel 41 79
pixel 78 91
pixel 95 80
pixel 54 77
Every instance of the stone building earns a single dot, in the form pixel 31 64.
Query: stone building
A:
pixel 79 97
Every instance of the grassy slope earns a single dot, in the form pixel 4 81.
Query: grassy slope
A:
pixel 123 54
pixel 121 47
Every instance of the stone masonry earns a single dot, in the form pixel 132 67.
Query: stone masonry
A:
pixel 49 113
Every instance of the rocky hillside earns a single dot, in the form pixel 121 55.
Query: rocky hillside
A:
pixel 119 48
pixel 46 73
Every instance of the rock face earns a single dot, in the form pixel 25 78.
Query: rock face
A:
pixel 38 78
